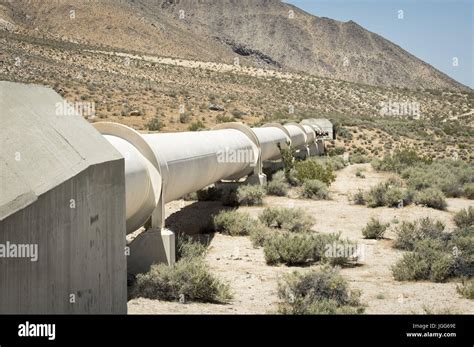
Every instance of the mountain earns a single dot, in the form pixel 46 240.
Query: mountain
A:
pixel 264 33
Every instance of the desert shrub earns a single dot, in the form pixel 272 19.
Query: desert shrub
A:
pixel 359 159
pixel 278 185
pixel 184 117
pixel 409 233
pixel 431 197
pixel 400 160
pixel 449 176
pixel 375 197
pixel 466 288
pixel 155 124
pixel 317 292
pixel 188 247
pixel 428 261
pixel 311 170
pixel 315 189
pixel 360 173
pixel 468 191
pixel 229 196
pixel 291 219
pixel 233 223
pixel 338 252
pixel 188 280
pixel 292 178
pixel 301 249
pixel 358 198
pixel 289 248
pixel 374 229
pixel 288 159
pixel 389 193
pixel 461 246
pixel 336 151
pixel 464 218
pixel 195 126
pixel 250 195
pixel 395 197
pixel 209 194
pixel 336 163
pixel 259 233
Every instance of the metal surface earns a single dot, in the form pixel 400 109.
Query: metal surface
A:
pixel 168 166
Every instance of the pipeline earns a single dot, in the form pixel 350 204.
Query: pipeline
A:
pixel 163 167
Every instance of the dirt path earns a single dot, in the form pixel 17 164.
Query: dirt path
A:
pixel 255 284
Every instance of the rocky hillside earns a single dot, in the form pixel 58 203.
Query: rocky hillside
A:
pixel 262 33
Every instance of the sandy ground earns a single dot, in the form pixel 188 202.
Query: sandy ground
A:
pixel 254 283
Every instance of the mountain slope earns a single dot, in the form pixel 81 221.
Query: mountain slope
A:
pixel 259 32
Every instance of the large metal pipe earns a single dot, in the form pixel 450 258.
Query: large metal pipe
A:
pixel 168 166
pixel 297 135
pixel 190 161
pixel 272 138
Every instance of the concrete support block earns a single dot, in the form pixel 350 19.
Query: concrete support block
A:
pixel 151 247
pixel 313 149
pixel 321 147
pixel 260 179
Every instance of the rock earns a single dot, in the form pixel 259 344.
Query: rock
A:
pixel 215 107
pixel 135 113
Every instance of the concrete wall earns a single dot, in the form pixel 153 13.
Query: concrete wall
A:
pixel 81 249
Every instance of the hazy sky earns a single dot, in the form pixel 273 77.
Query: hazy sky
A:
pixel 435 31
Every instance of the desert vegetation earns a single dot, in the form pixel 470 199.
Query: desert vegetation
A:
pixel 188 280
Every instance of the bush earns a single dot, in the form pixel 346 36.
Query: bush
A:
pixel 396 197
pixel 375 197
pixel 315 189
pixel 461 246
pixel 155 124
pixel 233 223
pixel 310 170
pixel 259 233
pixel 374 229
pixel 468 191
pixel 184 117
pixel 278 186
pixel 195 126
pixel 359 159
pixel 400 160
pixel 250 195
pixel 302 249
pixel 209 194
pixel 449 176
pixel 292 219
pixel 188 247
pixel 427 261
pixel 317 292
pixel 188 279
pixel 339 252
pixel 358 198
pixel 466 288
pixel 431 197
pixel 290 249
pixel 389 194
pixel 360 173
pixel 409 233
pixel 464 218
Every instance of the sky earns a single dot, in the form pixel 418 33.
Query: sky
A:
pixel 439 32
